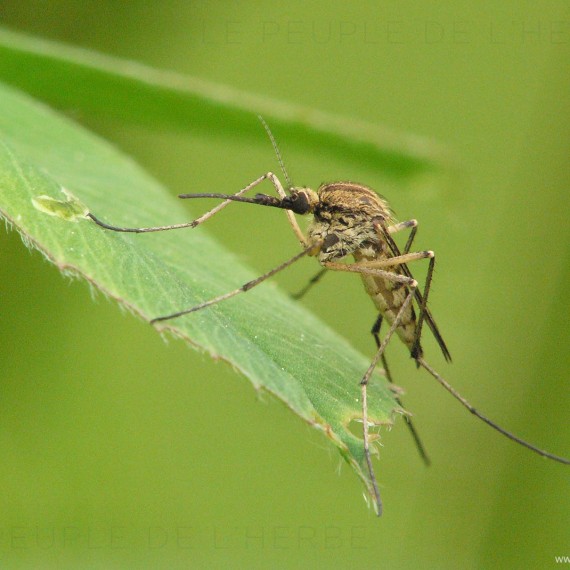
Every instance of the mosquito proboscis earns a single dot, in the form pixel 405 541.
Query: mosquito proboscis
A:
pixel 350 219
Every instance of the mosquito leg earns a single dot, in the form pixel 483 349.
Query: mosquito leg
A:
pixel 245 287
pixel 411 237
pixel 375 331
pixel 419 445
pixel 400 259
pixel 363 386
pixel 375 268
pixel 278 189
pixel 416 349
pixel 191 224
pixel 404 226
pixel 425 314
pixel 388 336
pixel 139 230
pixel 366 444
pixel 313 281
pixel 489 422
pixel 267 176
pixel 422 300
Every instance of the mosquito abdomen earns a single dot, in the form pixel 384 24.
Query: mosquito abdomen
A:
pixel 388 298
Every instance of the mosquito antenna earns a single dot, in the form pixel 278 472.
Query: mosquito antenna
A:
pixel 277 151
pixel 489 422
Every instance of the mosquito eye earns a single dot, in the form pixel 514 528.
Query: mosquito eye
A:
pixel 299 202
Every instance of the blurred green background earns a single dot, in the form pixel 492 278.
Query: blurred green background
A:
pixel 119 450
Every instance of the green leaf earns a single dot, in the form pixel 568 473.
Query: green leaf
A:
pixel 100 85
pixel 51 171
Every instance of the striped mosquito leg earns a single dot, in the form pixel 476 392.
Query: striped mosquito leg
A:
pixel 373 268
pixel 393 327
pixel 366 445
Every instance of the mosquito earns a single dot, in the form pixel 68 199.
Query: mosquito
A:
pixel 350 220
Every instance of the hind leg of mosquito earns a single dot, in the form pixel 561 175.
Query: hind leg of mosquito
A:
pixel 415 435
pixel 488 421
pixel 363 386
pixel 376 268
pixel 413 225
pixel 267 176
pixel 425 314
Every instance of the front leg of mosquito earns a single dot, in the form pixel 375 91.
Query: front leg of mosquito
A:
pixel 227 199
pixel 290 216
pixel 191 224
pixel 278 189
pixel 267 176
